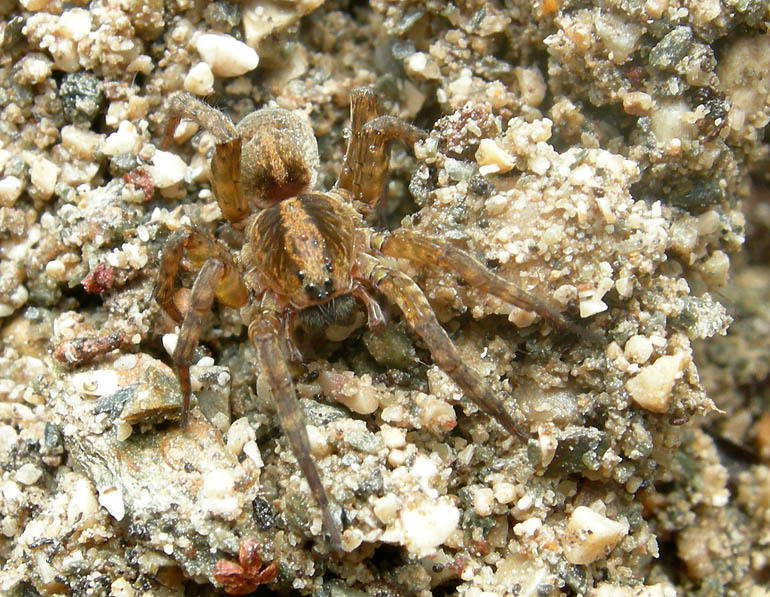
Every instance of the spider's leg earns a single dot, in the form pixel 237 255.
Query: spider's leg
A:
pixel 402 290
pixel 406 244
pixel 218 278
pixel 366 160
pixel 265 334
pixel 226 162
pixel 197 247
pixel 201 299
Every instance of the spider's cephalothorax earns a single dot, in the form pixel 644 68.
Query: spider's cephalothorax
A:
pixel 310 253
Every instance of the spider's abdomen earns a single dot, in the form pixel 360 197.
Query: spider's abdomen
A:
pixel 304 248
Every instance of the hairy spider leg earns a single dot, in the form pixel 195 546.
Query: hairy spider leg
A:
pixel 226 161
pixel 404 292
pixel 217 278
pixel 407 244
pixel 265 334
pixel 366 160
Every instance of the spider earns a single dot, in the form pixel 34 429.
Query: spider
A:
pixel 310 254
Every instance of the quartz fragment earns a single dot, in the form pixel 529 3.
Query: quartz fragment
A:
pixel 591 536
pixel 226 56
pixel 427 525
pixel 651 388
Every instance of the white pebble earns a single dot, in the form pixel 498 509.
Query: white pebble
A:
pixel 79 142
pixel 122 588
pixel 386 508
pixel 226 56
pixel 483 501
pixel 200 80
pixel 528 528
pixel 591 306
pixel 28 474
pixel 638 349
pixel 428 525
pixel 112 501
pixel 82 504
pixel 492 158
pixel 251 449
pixel 651 388
pixel 239 433
pixel 44 175
pixel 101 382
pixel 504 492
pixel 393 437
pixel 167 169
pixel 55 270
pixel 10 189
pixel 8 437
pixel 125 140
pixel 75 23
pixel 217 494
pixel 496 205
pixel 123 431
pixel 591 536
pixel 169 342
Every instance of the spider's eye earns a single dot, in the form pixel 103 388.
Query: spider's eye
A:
pixel 328 284
pixel 301 275
pixel 329 267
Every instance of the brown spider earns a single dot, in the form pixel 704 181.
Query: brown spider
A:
pixel 245 576
pixel 311 254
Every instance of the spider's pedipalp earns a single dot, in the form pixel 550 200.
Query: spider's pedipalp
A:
pixel 404 292
pixel 218 277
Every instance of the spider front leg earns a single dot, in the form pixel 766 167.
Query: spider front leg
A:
pixel 265 333
pixel 407 244
pixel 217 278
pixel 226 161
pixel 402 290
pixel 366 160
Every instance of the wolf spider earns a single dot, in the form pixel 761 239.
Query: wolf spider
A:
pixel 310 254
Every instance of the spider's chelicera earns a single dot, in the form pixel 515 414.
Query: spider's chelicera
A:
pixel 306 251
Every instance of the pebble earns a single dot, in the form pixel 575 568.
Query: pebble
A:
pixel 200 80
pixel 82 504
pixel 122 588
pixel 112 500
pixel 125 140
pixel 226 56
pixel 493 159
pixel 28 474
pixel 8 437
pixel 10 190
pixel 238 435
pixel 427 525
pixel 101 382
pixel 591 536
pixel 651 388
pixel 483 501
pixel 167 169
pixel 638 349
pixel 386 508
pixel 532 87
pixel 79 142
pixel 44 174
pixel 217 494
pixel 75 23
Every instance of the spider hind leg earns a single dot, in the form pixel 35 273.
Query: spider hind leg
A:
pixel 404 292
